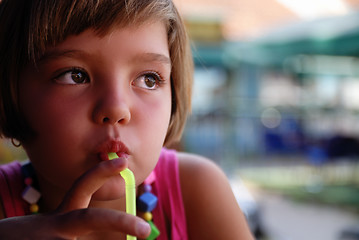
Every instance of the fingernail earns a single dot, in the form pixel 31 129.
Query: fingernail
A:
pixel 118 163
pixel 143 228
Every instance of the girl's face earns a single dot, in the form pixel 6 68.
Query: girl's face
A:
pixel 92 95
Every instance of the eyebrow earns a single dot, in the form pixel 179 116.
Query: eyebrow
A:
pixel 58 54
pixel 142 57
pixel 153 57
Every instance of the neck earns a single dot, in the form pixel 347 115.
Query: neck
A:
pixel 51 195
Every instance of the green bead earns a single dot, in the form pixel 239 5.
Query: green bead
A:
pixel 154 231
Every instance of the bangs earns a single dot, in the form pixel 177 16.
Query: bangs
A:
pixel 53 21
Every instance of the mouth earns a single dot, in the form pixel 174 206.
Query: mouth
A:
pixel 115 146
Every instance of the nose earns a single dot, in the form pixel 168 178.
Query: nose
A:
pixel 113 108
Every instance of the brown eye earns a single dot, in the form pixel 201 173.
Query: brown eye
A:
pixel 149 81
pixel 73 76
pixel 78 77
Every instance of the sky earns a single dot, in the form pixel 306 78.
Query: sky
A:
pixel 309 9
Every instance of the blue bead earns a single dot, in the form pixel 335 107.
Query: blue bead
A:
pixel 146 202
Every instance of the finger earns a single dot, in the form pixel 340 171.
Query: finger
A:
pixel 79 195
pixel 84 221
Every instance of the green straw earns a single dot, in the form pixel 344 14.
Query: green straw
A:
pixel 130 184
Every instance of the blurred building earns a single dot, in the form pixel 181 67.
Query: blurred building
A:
pixel 238 19
pixel 273 78
pixel 241 19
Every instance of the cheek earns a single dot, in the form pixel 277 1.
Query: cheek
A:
pixel 57 122
pixel 158 115
pixel 152 126
pixel 48 111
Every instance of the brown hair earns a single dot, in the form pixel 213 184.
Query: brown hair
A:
pixel 28 27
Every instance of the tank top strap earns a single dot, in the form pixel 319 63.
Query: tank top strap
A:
pixel 169 215
pixel 11 187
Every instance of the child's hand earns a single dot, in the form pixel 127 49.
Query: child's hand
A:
pixel 73 219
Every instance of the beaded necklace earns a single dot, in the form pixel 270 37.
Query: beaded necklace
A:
pixel 30 194
pixel 146 201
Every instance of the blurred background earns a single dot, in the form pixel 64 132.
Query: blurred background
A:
pixel 276 105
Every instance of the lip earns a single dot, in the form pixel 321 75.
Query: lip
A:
pixel 112 146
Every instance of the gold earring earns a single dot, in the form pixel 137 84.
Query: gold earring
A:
pixel 15 143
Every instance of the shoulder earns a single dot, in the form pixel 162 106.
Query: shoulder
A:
pixel 201 177
pixel 191 162
pixel 198 170
pixel 211 209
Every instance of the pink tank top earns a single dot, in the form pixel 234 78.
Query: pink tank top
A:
pixel 11 187
pixel 168 216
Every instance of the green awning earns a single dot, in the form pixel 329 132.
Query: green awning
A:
pixel 338 36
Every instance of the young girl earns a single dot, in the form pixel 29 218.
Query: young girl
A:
pixel 83 78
